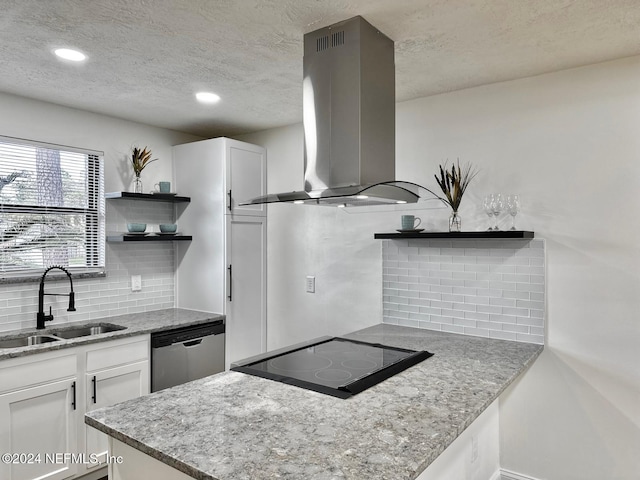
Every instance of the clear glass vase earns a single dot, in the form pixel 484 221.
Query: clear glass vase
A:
pixel 455 222
pixel 137 184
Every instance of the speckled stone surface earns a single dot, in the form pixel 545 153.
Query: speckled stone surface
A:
pixel 241 427
pixel 136 323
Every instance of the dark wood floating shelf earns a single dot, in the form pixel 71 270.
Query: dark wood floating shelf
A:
pixel 147 238
pixel 513 234
pixel 158 197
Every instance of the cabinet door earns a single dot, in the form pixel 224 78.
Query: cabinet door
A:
pixel 246 171
pixel 246 298
pixel 42 420
pixel 106 388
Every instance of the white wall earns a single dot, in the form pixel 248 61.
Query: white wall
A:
pixel 99 297
pixel 569 144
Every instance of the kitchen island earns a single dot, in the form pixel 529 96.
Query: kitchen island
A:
pixel 237 426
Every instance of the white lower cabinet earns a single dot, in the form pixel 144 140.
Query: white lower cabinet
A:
pixel 43 399
pixel 474 455
pixel 34 421
pixel 115 373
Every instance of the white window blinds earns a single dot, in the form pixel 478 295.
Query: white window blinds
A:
pixel 51 208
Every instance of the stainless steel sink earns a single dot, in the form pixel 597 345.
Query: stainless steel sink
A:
pixel 62 334
pixel 27 340
pixel 87 330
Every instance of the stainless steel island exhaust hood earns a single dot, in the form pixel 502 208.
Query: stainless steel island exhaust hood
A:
pixel 349 120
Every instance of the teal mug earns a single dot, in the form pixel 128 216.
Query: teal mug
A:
pixel 409 222
pixel 163 187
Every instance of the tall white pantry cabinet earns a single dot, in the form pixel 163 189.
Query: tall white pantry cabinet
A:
pixel 224 268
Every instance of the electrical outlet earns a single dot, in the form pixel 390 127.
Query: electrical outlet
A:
pixel 136 283
pixel 311 284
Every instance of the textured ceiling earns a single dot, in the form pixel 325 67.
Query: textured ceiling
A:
pixel 148 57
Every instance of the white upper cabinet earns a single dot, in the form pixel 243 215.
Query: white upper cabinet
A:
pixel 246 177
pixel 220 174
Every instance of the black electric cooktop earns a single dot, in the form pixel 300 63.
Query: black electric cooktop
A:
pixel 337 366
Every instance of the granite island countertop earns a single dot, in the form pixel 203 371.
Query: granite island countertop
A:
pixel 135 323
pixel 237 426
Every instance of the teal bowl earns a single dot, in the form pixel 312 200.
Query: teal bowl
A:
pixel 168 227
pixel 136 227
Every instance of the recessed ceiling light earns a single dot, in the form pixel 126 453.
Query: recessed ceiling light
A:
pixel 362 197
pixel 69 54
pixel 401 201
pixel 298 202
pixel 207 97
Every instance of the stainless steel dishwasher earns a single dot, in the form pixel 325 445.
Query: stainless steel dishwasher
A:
pixel 187 353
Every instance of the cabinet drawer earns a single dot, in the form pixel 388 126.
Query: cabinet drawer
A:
pixel 118 352
pixel 22 373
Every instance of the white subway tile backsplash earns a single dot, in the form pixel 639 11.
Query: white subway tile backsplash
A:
pixel 476 299
pixel 515 312
pixel 441 289
pixel 537 331
pixel 452 329
pixel 446 297
pixel 406 322
pixel 504 302
pixel 477 332
pixel 516 295
pixel 431 295
pixel 491 309
pixel 530 321
pixel 489 288
pixel 509 327
pixel 480 317
pixel 464 290
pixel 502 335
pixel 523 337
pixel 431 310
pixel 530 304
pixel 476 268
pixel 529 287
pixel 465 307
pixel 102 296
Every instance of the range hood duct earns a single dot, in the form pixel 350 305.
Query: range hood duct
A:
pixel 349 120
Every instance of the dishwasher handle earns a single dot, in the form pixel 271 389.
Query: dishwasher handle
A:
pixel 192 343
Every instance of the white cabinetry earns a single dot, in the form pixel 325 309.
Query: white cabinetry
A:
pixel 39 413
pixel 474 455
pixel 43 399
pixel 116 372
pixel 223 270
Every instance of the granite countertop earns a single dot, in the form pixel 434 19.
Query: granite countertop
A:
pixel 136 323
pixel 237 426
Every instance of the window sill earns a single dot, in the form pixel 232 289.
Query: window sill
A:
pixel 50 277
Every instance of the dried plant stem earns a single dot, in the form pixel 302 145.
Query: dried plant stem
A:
pixel 454 183
pixel 140 159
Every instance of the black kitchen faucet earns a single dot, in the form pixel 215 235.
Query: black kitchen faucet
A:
pixel 41 318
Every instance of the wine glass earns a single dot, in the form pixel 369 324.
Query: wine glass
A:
pixel 513 207
pixel 496 207
pixel 488 209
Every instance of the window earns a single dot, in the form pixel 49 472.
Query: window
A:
pixel 51 208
